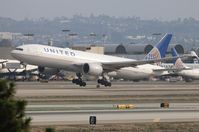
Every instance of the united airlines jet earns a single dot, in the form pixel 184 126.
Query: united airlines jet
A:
pixel 88 63
pixel 180 68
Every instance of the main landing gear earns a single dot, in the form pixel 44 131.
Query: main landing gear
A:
pixel 104 81
pixel 79 81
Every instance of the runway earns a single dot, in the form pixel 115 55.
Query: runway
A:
pixel 51 89
pixel 113 117
pixel 66 92
pixel 107 113
pixel 65 103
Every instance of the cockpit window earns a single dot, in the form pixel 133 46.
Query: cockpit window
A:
pixel 19 49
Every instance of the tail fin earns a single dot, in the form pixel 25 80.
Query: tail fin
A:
pixel 177 62
pixel 193 53
pixel 160 48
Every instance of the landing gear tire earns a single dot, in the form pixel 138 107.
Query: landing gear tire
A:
pixel 99 81
pixel 188 79
pixel 79 82
pixel 104 82
pixel 97 86
pixel 74 81
pixel 83 84
pixel 107 84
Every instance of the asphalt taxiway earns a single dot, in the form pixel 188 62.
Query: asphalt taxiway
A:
pixel 65 103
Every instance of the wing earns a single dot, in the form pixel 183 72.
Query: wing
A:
pixel 171 69
pixel 111 66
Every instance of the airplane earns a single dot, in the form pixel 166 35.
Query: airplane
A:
pixel 189 74
pixel 13 68
pixel 84 63
pixel 193 65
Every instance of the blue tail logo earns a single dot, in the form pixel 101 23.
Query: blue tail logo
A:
pixel 160 48
pixel 177 62
pixel 153 54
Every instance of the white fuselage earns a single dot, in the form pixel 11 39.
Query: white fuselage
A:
pixel 68 59
pixel 63 58
pixel 192 73
pixel 139 72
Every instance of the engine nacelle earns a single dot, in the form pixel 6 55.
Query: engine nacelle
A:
pixel 92 69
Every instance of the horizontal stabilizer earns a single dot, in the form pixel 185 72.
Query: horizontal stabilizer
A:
pixel 3 61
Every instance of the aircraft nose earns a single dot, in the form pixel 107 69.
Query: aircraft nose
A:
pixel 15 54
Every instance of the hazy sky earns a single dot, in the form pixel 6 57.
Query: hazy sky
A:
pixel 146 9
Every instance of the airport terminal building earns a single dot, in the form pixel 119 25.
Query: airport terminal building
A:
pixel 134 51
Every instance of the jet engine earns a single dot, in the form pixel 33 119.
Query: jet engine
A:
pixel 92 69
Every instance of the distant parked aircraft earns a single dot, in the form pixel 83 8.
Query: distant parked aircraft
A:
pixel 180 68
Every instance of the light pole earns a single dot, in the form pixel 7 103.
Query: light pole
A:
pixel 92 36
pixel 72 36
pixel 66 31
pixel 29 35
